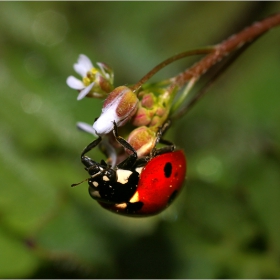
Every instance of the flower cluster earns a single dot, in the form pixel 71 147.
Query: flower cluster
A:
pixel 138 113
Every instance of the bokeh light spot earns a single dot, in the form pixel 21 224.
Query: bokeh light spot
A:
pixel 209 168
pixel 31 103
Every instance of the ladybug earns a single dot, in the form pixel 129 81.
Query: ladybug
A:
pixel 137 186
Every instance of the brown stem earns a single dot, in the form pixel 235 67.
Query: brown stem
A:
pixel 223 49
pixel 169 61
pixel 205 88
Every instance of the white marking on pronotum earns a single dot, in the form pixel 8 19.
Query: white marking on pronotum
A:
pixel 95 183
pixel 105 178
pixel 123 175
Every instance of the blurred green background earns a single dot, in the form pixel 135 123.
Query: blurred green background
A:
pixel 225 224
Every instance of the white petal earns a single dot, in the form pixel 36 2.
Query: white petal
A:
pixel 80 69
pixel 74 83
pixel 83 66
pixel 102 70
pixel 86 127
pixel 83 59
pixel 104 124
pixel 85 91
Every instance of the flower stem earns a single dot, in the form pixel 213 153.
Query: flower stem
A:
pixel 175 114
pixel 223 49
pixel 168 61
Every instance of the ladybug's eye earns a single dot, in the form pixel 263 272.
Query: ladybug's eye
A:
pixel 94 169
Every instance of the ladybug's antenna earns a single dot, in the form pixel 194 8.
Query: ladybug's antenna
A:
pixel 74 185
pixel 168 61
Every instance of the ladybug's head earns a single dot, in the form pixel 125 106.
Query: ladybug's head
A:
pixel 101 182
pixel 93 168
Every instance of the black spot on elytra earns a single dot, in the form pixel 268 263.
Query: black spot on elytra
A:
pixel 172 197
pixel 167 169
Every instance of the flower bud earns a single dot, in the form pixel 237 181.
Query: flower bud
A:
pixel 148 101
pixel 119 106
pixel 142 117
pixel 107 72
pixel 142 139
pixel 103 84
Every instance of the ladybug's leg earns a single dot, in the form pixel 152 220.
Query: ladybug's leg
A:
pixel 92 145
pixel 169 145
pixel 131 159
pixel 106 148
pixel 88 162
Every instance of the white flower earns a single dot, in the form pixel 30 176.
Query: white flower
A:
pixel 83 66
pixel 95 82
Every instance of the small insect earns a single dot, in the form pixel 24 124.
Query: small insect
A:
pixel 137 186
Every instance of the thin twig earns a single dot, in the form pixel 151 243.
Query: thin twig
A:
pixel 168 61
pixel 231 44
pixel 205 88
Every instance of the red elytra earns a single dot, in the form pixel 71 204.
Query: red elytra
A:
pixel 160 181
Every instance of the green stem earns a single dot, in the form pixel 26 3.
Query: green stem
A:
pixel 168 61
pixel 184 94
